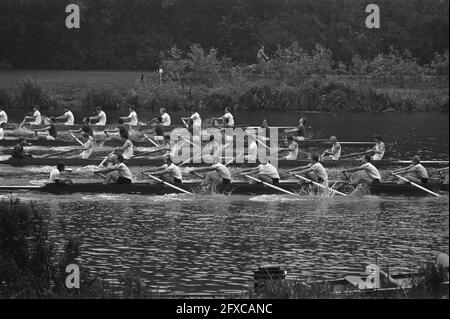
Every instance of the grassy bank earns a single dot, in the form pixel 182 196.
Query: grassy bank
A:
pixel 84 90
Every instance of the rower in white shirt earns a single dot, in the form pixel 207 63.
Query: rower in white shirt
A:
pixel 227 119
pixel 378 150
pixel 131 119
pixel 265 172
pixel 127 147
pixel 313 171
pixel 3 116
pixel 217 173
pixel 195 118
pixel 169 172
pixel 68 116
pixel 36 119
pixel 2 128
pixel 366 173
pixel 55 176
pixel 165 117
pixel 415 172
pixel 124 174
pixel 100 117
pixel 252 149
pixel 292 149
pixel 87 148
pixel 334 153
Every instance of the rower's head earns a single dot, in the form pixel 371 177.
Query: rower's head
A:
pixel 162 111
pixel 416 160
pixel 22 140
pixel 52 119
pixel 124 135
pixel 227 110
pixel 314 158
pixel 367 158
pixel 36 108
pixel 60 166
pixel 85 136
pixel 302 121
pixel 167 160
pixel 120 120
pixel 290 138
pixel 262 160
pixel 120 158
pixel 131 108
pixel 193 109
pixel 3 125
pixel 98 109
pixel 67 108
pixel 264 123
pixel 333 139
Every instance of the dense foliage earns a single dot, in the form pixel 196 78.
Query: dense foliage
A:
pixel 137 34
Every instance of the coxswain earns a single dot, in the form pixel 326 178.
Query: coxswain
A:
pixel 100 117
pixel 415 172
pixel 313 171
pixel 125 176
pixel 87 148
pixel 127 148
pixel 265 172
pixel 68 116
pixel 227 119
pixel 377 151
pixel 158 131
pixel 366 173
pixel 261 56
pixel 300 130
pixel 55 176
pixel 169 172
pixel 48 133
pixel 334 153
pixel 131 119
pixel 292 149
pixel 3 116
pixel 218 173
pixel 165 117
pixel 18 151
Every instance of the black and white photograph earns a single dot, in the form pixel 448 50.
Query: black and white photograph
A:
pixel 227 152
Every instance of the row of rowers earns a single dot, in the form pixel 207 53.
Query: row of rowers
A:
pixel 100 118
pixel 117 172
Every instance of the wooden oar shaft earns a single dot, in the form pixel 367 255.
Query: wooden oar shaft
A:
pixel 150 140
pixel 76 139
pixel 353 154
pixel 270 185
pixel 416 185
pixel 320 185
pixel 106 158
pixel 57 154
pixel 170 185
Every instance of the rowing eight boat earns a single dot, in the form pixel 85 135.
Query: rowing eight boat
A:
pixel 159 161
pixel 238 188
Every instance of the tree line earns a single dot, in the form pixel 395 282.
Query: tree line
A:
pixel 139 34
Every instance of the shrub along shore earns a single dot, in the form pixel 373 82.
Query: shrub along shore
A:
pixel 294 80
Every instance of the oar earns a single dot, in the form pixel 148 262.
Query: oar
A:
pixel 21 124
pixel 168 184
pixel 147 153
pixel 150 140
pixel 320 185
pixel 57 154
pixel 416 185
pixel 353 154
pixel 270 185
pixel 76 139
pixel 101 175
pixel 106 158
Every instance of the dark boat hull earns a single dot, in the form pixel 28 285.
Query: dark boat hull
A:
pixel 238 188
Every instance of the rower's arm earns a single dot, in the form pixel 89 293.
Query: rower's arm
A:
pixel 95 117
pixel 305 171
pixel 293 130
pixel 42 129
pixel 352 170
pixel 107 170
pixel 62 117
pixel 296 168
